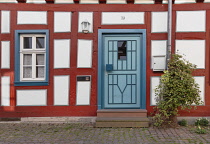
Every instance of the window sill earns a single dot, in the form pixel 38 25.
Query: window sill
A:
pixel 31 83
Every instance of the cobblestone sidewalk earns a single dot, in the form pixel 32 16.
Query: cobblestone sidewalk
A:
pixel 69 133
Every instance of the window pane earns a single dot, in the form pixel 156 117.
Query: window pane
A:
pixel 39 72
pixel 40 59
pixel 27 59
pixel 27 72
pixel 40 42
pixel 27 41
pixel 122 54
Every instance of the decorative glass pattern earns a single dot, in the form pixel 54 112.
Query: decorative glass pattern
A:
pixel 122 89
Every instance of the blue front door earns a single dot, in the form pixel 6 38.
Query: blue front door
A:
pixel 122 71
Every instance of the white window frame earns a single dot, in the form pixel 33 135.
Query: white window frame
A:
pixel 34 51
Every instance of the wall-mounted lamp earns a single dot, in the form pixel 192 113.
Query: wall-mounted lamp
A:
pixel 85 26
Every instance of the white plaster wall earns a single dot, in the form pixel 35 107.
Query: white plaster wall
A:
pixel 63 1
pixel 154 82
pixel 61 53
pixel 83 93
pixel 35 1
pixel 5 54
pixel 89 1
pixel 158 47
pixel 201 81
pixel 84 54
pixel 116 2
pixel 8 1
pixel 62 21
pixel 180 1
pixel 191 21
pixel 5 91
pixel 32 17
pixel 193 51
pixel 31 97
pixel 5 21
pixel 159 22
pixel 83 16
pixel 61 90
pixel 112 18
pixel 144 2
pixel 206 1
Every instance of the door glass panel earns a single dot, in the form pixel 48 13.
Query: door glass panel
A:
pixel 122 50
pixel 27 42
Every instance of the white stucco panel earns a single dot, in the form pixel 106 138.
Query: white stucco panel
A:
pixel 112 18
pixel 35 1
pixel 84 54
pixel 159 22
pixel 85 16
pixel 61 90
pixel 158 47
pixel 31 97
pixel 193 51
pixel 116 2
pixel 191 21
pixel 63 1
pixel 201 81
pixel 32 17
pixel 5 54
pixel 144 2
pixel 8 1
pixel 62 53
pixel 89 1
pixel 83 93
pixel 5 91
pixel 154 82
pixel 62 21
pixel 5 21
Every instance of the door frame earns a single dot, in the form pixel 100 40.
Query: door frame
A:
pixel 102 32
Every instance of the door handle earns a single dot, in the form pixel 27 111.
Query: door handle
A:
pixel 109 67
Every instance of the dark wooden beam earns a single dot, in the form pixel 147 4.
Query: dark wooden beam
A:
pixel 102 1
pixel 21 1
pixel 76 1
pixel 199 1
pixel 158 1
pixel 130 1
pixel 49 1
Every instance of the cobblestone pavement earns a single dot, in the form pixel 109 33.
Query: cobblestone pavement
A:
pixel 71 133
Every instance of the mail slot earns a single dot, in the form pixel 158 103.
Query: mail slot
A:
pixel 109 67
pixel 83 78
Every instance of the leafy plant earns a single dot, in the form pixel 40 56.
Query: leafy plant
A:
pixel 202 122
pixel 200 130
pixel 177 91
pixel 183 122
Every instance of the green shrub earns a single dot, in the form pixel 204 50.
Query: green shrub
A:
pixel 200 130
pixel 202 122
pixel 183 122
pixel 177 91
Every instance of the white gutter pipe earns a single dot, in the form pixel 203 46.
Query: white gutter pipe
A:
pixel 168 50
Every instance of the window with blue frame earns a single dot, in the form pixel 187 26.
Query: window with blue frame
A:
pixel 31 57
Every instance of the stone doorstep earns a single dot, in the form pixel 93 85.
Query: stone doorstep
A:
pixel 121 119
pixel 122 111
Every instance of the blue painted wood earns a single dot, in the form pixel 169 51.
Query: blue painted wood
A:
pixel 123 94
pixel 141 79
pixel 17 58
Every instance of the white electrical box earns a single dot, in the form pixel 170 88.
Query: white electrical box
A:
pixel 159 63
